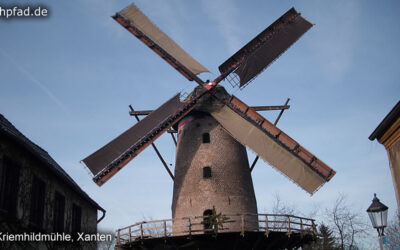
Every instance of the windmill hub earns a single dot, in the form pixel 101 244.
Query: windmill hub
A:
pixel 209 101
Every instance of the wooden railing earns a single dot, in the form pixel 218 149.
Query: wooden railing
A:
pixel 194 225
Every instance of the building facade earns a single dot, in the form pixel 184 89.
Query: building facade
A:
pixel 37 195
pixel 388 134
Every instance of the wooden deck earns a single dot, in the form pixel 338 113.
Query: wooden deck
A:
pixel 268 224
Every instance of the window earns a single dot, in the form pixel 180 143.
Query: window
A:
pixel 37 202
pixel 207 172
pixel 206 138
pixel 76 218
pixel 59 211
pixel 9 187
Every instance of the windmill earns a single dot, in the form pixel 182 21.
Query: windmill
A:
pixel 214 127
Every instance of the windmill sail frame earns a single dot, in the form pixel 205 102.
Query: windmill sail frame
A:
pixel 273 145
pixel 140 26
pixel 265 48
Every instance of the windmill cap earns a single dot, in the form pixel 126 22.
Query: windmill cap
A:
pixel 377 206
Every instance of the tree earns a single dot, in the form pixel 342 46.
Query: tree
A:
pixel 280 207
pixel 392 233
pixel 325 240
pixel 346 224
pixel 341 227
pixel 107 245
pixel 215 221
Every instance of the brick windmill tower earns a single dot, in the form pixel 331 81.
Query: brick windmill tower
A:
pixel 212 169
pixel 214 128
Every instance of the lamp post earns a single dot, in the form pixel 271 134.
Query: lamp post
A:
pixel 377 212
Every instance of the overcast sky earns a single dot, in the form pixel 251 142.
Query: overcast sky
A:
pixel 67 80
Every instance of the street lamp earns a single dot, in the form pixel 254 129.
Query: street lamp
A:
pixel 377 212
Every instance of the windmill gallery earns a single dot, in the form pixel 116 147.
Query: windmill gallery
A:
pixel 213 190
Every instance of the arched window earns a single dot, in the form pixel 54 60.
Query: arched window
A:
pixel 207 172
pixel 206 138
pixel 207 222
pixel 207 212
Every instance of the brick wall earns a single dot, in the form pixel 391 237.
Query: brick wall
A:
pixel 230 187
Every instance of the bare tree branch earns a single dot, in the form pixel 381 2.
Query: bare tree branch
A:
pixel 346 224
pixel 393 233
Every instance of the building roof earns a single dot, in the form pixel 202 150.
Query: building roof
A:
pixel 7 128
pixel 390 118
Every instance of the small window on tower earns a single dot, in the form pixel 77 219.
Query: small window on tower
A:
pixel 206 138
pixel 207 172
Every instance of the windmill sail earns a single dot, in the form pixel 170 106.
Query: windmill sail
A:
pixel 260 52
pixel 273 145
pixel 139 25
pixel 109 159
